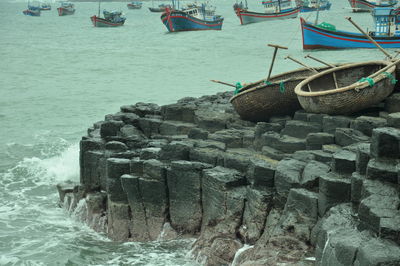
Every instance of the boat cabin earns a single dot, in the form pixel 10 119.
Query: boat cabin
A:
pixel 387 21
pixel 277 6
pixel 202 12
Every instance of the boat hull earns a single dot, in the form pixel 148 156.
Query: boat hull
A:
pixel 131 6
pixel 305 9
pixel 157 9
pixel 366 6
pixel 247 17
pixel 101 22
pixel 33 13
pixel 317 38
pixel 62 11
pixel 180 21
pixel 336 91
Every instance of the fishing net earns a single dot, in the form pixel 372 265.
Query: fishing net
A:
pixel 326 26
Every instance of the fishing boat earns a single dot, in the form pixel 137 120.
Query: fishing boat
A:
pixel 367 6
pixel 32 10
pixel 240 6
pixel 160 8
pixel 111 19
pixel 313 5
pixel 66 8
pixel 326 36
pixel 134 5
pixel 45 7
pixel 347 89
pixel 260 100
pixel 196 18
pixel 274 9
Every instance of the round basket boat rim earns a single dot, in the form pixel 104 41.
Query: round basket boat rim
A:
pixel 274 83
pixel 357 85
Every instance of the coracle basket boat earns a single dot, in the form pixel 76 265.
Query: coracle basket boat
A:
pixel 347 89
pixel 260 100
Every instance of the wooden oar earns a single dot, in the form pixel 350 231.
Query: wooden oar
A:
pixel 369 38
pixel 273 57
pixel 224 83
pixel 301 63
pixel 319 60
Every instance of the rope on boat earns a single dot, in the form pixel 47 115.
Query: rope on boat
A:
pixel 282 87
pixel 390 77
pixel 266 82
pixel 238 86
pixel 370 81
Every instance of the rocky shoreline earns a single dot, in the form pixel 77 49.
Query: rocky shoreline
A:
pixel 307 189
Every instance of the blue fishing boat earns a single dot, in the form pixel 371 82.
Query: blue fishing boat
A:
pixel 274 9
pixel 45 7
pixel 33 11
pixel 326 36
pixel 195 18
pixel 160 8
pixel 313 5
pixel 367 6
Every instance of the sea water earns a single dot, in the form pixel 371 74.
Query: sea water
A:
pixel 59 75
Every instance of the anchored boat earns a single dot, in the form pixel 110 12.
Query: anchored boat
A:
pixel 347 89
pixel 367 6
pixel 65 9
pixel 33 11
pixel 274 9
pixel 313 5
pixel 326 36
pixel 194 18
pixel 134 5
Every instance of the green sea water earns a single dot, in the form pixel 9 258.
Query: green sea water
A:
pixel 59 75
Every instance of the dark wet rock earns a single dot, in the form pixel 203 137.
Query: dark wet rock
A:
pixel 389 228
pixel 331 123
pixel 257 206
pixel 280 119
pixel 378 252
pixel 300 129
pixel 362 158
pixel 322 156
pixel 344 162
pixel 198 133
pixel 179 112
pixel 142 109
pixel 115 169
pixel 110 128
pixel 116 146
pixel 315 141
pixel 383 170
pixel 357 181
pixel 311 173
pixel 333 190
pixel 238 159
pixel 392 103
pixel 206 155
pixel 150 125
pixel 210 144
pixel 231 137
pixel 118 218
pixel 176 150
pixel 184 180
pixel 285 144
pixel 348 136
pixel 261 172
pixel 385 143
pixel 64 188
pixel 394 120
pixel 211 120
pixel 150 153
pixel 175 128
pixel 304 156
pixel 365 124
pixel 93 170
pixel 304 202
pixel 273 153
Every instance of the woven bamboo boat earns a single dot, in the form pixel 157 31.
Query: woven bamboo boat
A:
pixel 347 89
pixel 258 101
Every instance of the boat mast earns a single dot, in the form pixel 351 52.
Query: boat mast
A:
pixel 316 18
pixel 99 10
pixel 279 4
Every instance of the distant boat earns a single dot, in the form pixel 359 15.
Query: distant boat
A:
pixel 65 9
pixel 111 19
pixel 196 18
pixel 33 11
pixel 45 7
pixel 367 6
pixel 274 9
pixel 313 5
pixel 160 8
pixel 134 5
pixel 326 36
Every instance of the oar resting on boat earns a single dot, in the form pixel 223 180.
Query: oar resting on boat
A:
pixel 358 86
